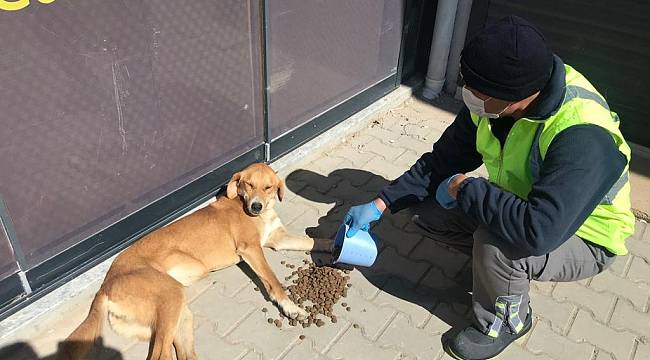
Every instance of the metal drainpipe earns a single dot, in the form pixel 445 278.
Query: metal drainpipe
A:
pixel 457 43
pixel 442 33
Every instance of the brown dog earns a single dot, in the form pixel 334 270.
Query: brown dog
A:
pixel 142 293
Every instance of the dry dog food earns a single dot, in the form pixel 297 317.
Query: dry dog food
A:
pixel 316 289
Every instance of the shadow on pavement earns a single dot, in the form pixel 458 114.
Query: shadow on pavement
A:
pixel 23 351
pixel 348 187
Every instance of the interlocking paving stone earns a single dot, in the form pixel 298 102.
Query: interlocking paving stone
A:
pixel 445 316
pixel 403 242
pixel 357 157
pixel 137 352
pixel 543 340
pixel 599 303
pixel 209 345
pixel 388 152
pixel 639 247
pixel 222 311
pixel 625 317
pixel 558 314
pixel 620 265
pixel 385 169
pixel 291 210
pixel 254 332
pixel 516 352
pixel 407 159
pixel 303 351
pixel 639 270
pixel 415 305
pixel 389 262
pixel 585 328
pixel 370 318
pixel 542 287
pixel 603 355
pixel 325 164
pixel 410 340
pixel 636 292
pixel 322 337
pixel 353 343
pixel 365 283
pixel 642 351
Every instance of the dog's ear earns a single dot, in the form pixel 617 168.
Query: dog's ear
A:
pixel 231 190
pixel 281 189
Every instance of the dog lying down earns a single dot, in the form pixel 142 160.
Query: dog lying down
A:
pixel 142 294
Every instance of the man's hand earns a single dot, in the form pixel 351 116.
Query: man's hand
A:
pixel 360 216
pixel 447 191
pixel 454 185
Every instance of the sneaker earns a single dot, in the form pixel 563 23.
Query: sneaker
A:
pixel 472 344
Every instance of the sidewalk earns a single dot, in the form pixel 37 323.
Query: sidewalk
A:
pixel 402 306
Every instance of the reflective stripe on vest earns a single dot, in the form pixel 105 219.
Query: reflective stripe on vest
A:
pixel 573 92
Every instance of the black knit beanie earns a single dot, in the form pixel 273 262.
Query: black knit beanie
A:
pixel 508 60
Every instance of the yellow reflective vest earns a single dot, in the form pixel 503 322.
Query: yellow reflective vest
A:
pixel 510 167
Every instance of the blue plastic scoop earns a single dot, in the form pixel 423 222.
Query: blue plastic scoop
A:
pixel 360 249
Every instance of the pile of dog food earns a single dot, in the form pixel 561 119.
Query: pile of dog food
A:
pixel 316 289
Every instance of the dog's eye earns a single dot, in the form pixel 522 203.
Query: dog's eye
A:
pixel 268 188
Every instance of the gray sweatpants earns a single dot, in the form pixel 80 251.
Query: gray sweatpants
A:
pixel 501 276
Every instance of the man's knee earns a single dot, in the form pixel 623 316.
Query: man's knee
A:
pixel 484 252
pixel 488 254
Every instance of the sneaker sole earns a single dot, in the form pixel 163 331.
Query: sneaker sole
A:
pixel 447 348
pixel 451 353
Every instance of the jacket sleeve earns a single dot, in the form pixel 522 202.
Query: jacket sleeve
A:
pixel 581 165
pixel 455 152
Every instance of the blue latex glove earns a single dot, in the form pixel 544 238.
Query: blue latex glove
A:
pixel 360 217
pixel 442 194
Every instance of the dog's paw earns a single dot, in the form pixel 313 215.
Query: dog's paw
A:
pixel 292 310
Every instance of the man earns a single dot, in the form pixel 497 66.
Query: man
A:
pixel 557 203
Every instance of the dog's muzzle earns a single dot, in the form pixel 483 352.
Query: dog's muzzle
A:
pixel 256 207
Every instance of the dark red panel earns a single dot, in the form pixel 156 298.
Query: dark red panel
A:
pixel 109 105
pixel 324 52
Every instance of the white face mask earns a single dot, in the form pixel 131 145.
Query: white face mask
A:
pixel 477 106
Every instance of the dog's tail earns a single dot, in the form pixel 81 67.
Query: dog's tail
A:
pixel 83 337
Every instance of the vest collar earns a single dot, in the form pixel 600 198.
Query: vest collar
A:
pixel 551 96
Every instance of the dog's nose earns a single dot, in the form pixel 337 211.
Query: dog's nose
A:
pixel 256 207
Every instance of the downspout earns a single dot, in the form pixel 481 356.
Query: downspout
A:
pixel 440 46
pixel 457 43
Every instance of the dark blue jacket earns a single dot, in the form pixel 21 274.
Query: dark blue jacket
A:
pixel 581 165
